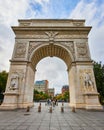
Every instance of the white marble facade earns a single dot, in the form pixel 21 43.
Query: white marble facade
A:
pixel 39 38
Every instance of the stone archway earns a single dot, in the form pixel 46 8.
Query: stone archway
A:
pixel 36 39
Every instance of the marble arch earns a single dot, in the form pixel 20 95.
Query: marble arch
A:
pixel 39 38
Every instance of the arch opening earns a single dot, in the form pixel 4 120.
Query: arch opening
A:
pixel 52 51
pixel 60 77
pixel 54 70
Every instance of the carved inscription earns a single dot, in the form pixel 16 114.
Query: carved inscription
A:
pixel 78 24
pixel 20 50
pixel 25 24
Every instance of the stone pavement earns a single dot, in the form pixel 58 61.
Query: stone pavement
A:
pixel 33 120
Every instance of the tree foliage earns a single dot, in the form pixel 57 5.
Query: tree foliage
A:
pixel 40 95
pixel 3 81
pixel 64 97
pixel 99 77
pixel 59 97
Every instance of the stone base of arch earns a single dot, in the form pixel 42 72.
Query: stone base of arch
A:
pixel 10 106
pixel 11 102
pixel 91 102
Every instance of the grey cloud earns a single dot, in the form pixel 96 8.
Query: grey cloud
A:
pixel 1 49
pixel 54 70
pixel 94 18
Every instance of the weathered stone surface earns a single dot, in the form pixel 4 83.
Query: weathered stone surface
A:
pixel 36 39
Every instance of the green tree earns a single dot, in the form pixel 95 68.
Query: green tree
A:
pixel 3 81
pixel 66 96
pixel 40 96
pixel 59 97
pixel 36 92
pixel 99 77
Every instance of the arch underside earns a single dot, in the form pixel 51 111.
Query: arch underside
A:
pixel 51 50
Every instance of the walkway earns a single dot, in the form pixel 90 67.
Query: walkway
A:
pixel 22 120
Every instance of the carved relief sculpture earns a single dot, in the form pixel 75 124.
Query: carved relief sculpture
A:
pixel 14 81
pixel 32 46
pixel 88 83
pixel 51 35
pixel 86 80
pixel 20 50
pixel 70 46
pixel 81 50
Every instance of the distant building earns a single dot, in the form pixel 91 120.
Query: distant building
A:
pixel 64 89
pixel 51 92
pixel 41 86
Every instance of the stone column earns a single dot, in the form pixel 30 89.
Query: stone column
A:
pixel 19 88
pixel 15 83
pixel 27 98
pixel 76 99
pixel 83 92
pixel 87 86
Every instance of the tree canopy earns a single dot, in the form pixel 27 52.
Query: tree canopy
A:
pixel 3 81
pixel 40 96
pixel 99 77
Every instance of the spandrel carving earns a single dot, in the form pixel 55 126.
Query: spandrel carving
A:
pixel 70 46
pixel 32 47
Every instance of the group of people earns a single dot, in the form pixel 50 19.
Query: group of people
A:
pixel 52 102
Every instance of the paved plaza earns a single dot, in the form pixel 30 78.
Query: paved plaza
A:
pixel 33 120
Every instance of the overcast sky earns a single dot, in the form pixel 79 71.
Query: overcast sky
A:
pixel 90 10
